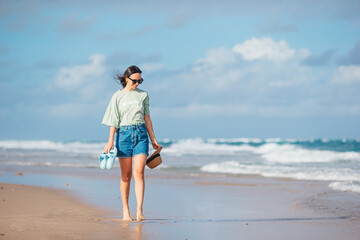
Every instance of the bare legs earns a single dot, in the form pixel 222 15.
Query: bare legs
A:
pixel 139 166
pixel 125 165
pixel 126 173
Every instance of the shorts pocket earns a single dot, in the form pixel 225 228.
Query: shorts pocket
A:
pixel 122 130
pixel 142 130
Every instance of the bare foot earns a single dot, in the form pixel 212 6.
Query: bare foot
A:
pixel 139 216
pixel 128 219
pixel 126 215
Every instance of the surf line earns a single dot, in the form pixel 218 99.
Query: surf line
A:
pixel 178 220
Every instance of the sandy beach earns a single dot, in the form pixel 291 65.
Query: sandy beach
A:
pixel 29 212
pixel 86 205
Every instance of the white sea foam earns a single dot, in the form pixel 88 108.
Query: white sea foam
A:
pixel 78 147
pixel 304 173
pixel 345 186
pixel 162 166
pixel 51 164
pixel 270 151
pixel 200 147
pixel 271 140
pixel 287 153
pixel 234 140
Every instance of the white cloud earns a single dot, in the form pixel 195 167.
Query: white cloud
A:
pixel 264 48
pixel 217 56
pixel 76 76
pixel 152 67
pixel 227 82
pixel 277 66
pixel 304 108
pixel 76 110
pixel 87 87
pixel 68 110
pixel 82 85
pixel 347 74
pixel 277 84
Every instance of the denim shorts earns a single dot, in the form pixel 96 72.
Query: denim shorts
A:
pixel 132 140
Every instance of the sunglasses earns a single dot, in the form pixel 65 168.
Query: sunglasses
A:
pixel 136 81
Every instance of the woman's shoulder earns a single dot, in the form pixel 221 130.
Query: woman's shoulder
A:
pixel 140 91
pixel 117 94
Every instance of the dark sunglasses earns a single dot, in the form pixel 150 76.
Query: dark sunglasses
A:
pixel 136 81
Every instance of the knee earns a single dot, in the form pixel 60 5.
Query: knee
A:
pixel 126 177
pixel 138 174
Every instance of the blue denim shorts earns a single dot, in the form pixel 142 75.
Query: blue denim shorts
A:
pixel 132 140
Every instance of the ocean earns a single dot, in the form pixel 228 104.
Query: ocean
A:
pixel 335 161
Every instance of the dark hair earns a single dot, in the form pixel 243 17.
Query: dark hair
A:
pixel 130 70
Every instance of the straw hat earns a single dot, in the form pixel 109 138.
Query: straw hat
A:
pixel 155 159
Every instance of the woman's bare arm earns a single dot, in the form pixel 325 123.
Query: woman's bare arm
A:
pixel 110 143
pixel 150 131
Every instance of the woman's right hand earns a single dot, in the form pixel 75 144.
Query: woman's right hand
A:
pixel 108 147
pixel 155 144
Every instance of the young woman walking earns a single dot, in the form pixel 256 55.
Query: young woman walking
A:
pixel 128 116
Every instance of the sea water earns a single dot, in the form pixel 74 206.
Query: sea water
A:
pixel 333 160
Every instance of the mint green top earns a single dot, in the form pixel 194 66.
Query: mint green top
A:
pixel 127 108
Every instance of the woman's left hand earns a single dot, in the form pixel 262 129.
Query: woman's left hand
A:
pixel 155 144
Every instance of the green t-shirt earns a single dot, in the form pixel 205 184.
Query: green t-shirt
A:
pixel 127 108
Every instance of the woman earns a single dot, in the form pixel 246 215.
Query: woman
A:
pixel 128 115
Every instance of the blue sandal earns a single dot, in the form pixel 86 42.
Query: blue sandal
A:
pixel 107 160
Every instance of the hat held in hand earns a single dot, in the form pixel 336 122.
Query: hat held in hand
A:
pixel 155 159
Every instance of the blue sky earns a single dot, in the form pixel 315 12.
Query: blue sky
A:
pixel 213 69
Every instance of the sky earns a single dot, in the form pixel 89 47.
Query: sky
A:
pixel 213 69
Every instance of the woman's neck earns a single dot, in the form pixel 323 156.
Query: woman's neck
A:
pixel 126 89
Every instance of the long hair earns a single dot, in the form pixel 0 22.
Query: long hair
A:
pixel 130 70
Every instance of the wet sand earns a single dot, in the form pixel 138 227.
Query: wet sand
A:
pixel 178 206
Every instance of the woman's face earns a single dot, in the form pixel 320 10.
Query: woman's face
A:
pixel 130 84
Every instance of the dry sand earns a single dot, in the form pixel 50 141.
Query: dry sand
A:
pixel 29 212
